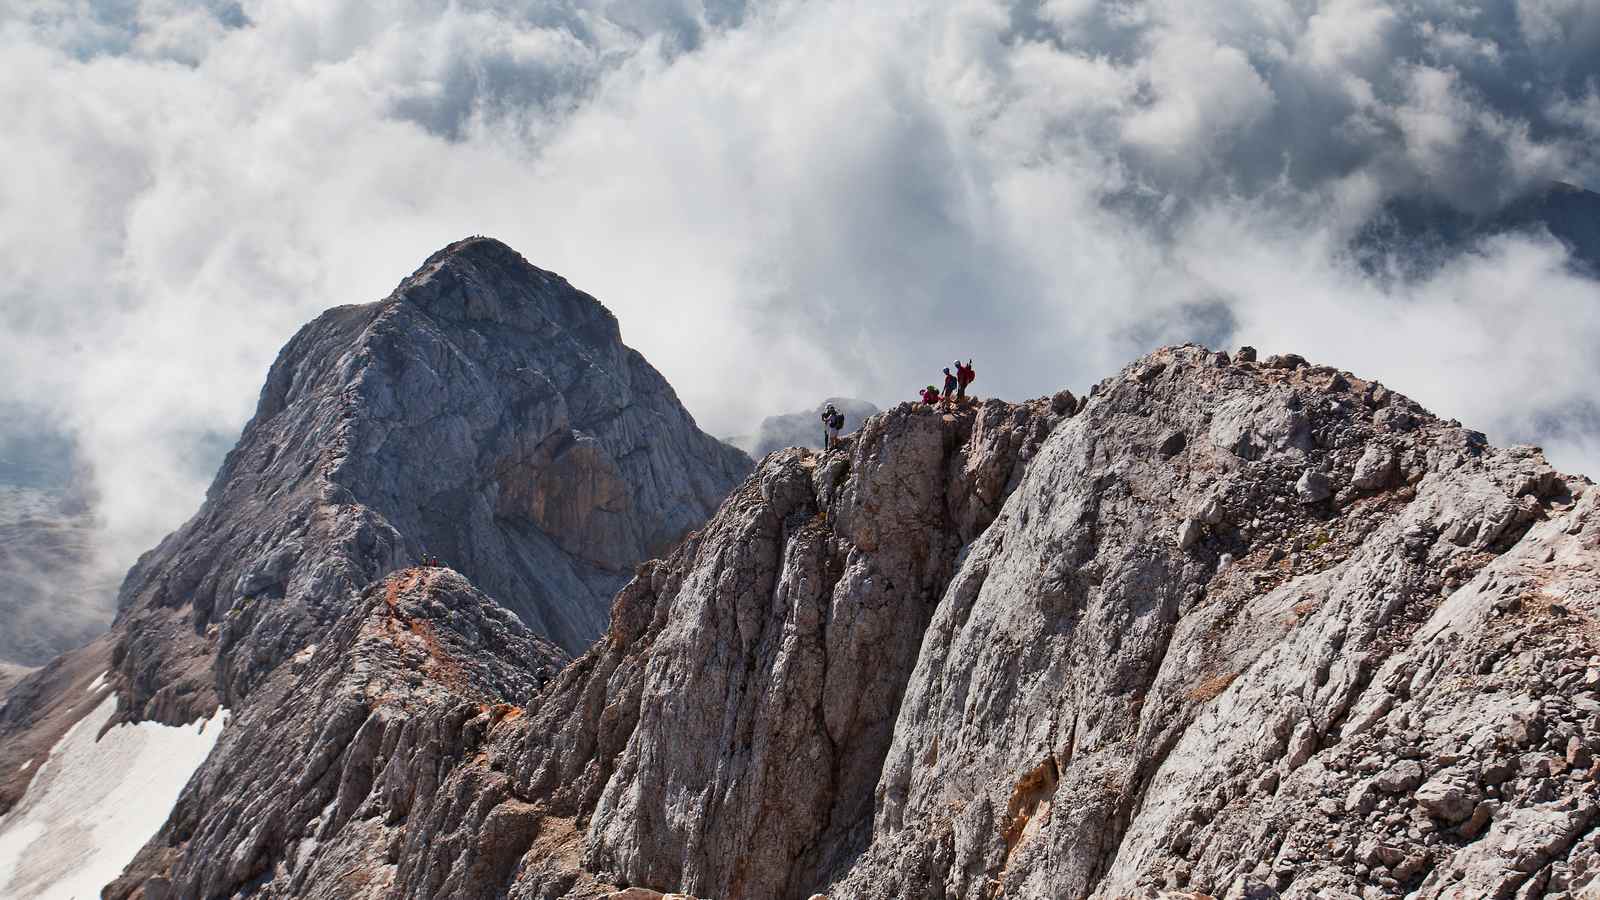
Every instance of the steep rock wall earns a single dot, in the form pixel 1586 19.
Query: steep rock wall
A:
pixel 1226 628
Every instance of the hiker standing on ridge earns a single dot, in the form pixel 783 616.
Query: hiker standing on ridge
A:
pixel 832 421
pixel 950 387
pixel 964 376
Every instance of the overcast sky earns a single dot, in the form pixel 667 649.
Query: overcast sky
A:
pixel 785 199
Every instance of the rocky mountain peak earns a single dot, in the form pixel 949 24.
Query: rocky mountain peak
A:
pixel 1228 627
pixel 485 415
pixel 465 281
pixel 1236 618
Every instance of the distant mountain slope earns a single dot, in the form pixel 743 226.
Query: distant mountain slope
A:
pixel 1413 236
pixel 10 674
pixel 55 594
pixel 52 597
pixel 802 429
pixel 486 415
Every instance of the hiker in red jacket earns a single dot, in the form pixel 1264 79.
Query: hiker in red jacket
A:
pixel 964 376
pixel 930 395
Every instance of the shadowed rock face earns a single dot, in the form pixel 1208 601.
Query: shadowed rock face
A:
pixel 1325 645
pixel 1414 237
pixel 487 415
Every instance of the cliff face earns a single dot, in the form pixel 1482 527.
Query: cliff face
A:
pixel 486 415
pixel 1248 628
pixel 726 732
pixel 1225 628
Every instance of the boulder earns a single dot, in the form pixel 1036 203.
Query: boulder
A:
pixel 1449 796
pixel 1189 533
pixel 1375 469
pixel 1313 487
pixel 1400 777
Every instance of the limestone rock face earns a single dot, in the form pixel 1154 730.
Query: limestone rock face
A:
pixel 1104 713
pixel 350 736
pixel 757 669
pixel 787 647
pixel 486 415
pixel 1009 651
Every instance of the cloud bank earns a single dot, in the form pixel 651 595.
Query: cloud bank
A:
pixel 787 197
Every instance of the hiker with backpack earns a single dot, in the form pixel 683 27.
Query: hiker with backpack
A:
pixel 832 421
pixel 964 376
pixel 950 387
pixel 930 395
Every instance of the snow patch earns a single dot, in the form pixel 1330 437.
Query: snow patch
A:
pixel 98 684
pixel 26 765
pixel 94 803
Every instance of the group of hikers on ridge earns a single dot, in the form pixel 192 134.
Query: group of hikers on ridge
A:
pixel 953 395
pixel 955 387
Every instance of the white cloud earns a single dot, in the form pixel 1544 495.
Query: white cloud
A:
pixel 836 197
pixel 1203 96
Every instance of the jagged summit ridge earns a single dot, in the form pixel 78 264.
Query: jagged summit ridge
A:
pixel 1225 627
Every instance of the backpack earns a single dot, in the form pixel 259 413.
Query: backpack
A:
pixel 836 421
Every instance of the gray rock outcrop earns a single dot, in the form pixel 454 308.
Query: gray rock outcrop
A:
pixel 1226 731
pixel 1000 652
pixel 408 686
